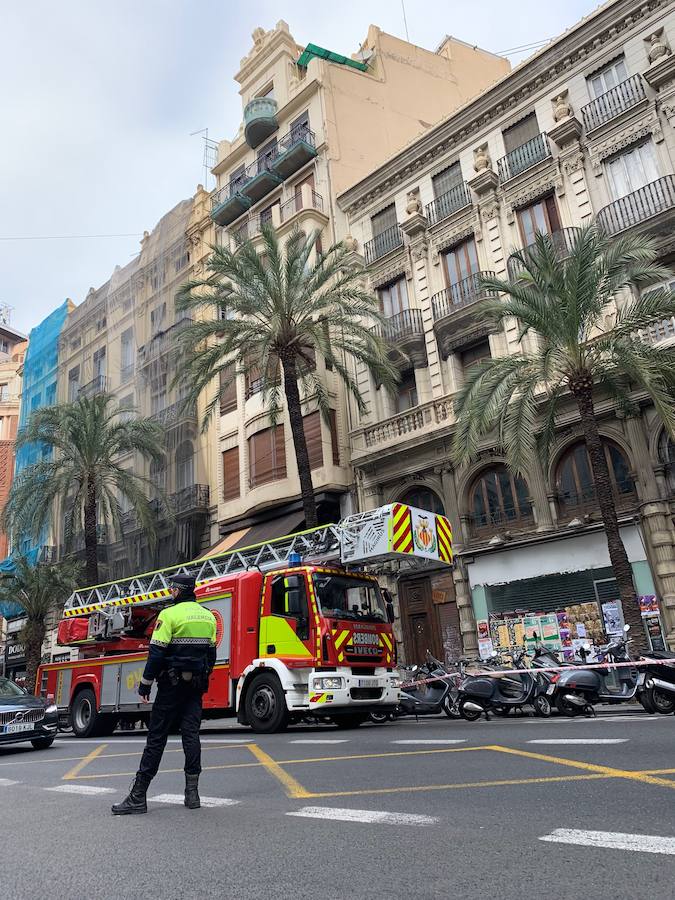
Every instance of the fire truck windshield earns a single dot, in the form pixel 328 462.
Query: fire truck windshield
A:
pixel 350 597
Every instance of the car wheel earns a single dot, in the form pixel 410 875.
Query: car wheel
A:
pixel 266 705
pixel 84 715
pixel 42 743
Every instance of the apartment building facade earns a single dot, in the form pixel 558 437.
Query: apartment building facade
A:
pixel 580 132
pixel 12 350
pixel 313 122
pixel 122 341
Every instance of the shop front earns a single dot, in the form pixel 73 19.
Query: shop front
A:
pixel 559 590
pixel 15 660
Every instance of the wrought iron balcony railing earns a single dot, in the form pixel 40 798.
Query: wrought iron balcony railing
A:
pixel 562 240
pixel 486 523
pixel 638 207
pixel 98 385
pixel 176 414
pixel 458 197
pixel 163 342
pixel 404 324
pixel 470 289
pixel 194 498
pixel 613 102
pixel 389 239
pixel 294 204
pixel 524 157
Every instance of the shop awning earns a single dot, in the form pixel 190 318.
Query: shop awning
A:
pixel 268 531
pixel 226 543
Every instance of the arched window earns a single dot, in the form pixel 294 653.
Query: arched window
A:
pixel 574 479
pixel 499 499
pixel 185 466
pixel 667 457
pixel 423 498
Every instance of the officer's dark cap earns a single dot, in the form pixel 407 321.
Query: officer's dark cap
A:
pixel 184 582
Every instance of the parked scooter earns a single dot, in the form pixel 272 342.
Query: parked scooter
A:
pixel 577 690
pixel 656 689
pixel 424 697
pixel 483 693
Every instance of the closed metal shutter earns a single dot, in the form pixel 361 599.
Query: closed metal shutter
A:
pixel 550 592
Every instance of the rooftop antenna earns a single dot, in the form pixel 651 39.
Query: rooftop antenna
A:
pixel 210 155
pixel 405 21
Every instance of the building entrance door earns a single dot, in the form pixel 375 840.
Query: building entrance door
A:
pixel 420 627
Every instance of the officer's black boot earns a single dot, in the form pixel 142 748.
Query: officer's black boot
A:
pixel 135 801
pixel 191 793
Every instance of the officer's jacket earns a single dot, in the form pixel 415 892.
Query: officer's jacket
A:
pixel 184 639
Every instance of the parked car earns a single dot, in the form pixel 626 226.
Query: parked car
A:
pixel 24 717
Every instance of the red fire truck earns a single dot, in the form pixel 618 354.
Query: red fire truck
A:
pixel 300 631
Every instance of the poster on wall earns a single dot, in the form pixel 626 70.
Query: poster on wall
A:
pixel 612 615
pixel 485 648
pixel 654 632
pixel 649 606
pixel 549 629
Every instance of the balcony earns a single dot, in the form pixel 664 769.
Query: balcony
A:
pixel 416 424
pixel 294 150
pixel 295 204
pixel 176 414
pixel 451 202
pixel 563 242
pixel 98 385
pixel 639 207
pixel 382 244
pixel 524 157
pixel 229 203
pixel 452 309
pixel 259 179
pixel 510 518
pixel 192 499
pixel 163 342
pixel 660 332
pixel 405 334
pixel 614 102
pixel 260 120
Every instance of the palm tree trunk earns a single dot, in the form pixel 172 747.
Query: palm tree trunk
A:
pixel 603 488
pixel 34 635
pixel 299 443
pixel 90 536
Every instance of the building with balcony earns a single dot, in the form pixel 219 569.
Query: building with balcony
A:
pixel 581 131
pixel 122 341
pixel 13 346
pixel 313 122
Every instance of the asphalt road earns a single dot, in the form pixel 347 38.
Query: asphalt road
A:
pixel 436 809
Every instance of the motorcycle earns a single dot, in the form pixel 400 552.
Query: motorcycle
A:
pixel 424 696
pixel 657 684
pixel 483 693
pixel 577 690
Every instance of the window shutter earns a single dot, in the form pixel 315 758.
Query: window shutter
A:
pixel 279 453
pixel 521 132
pixel 231 487
pixel 311 425
pixel 384 220
pixel 447 180
pixel 335 446
pixel 228 391
pixel 267 456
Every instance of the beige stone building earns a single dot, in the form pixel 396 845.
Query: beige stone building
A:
pixel 12 351
pixel 313 123
pixel 581 131
pixel 122 340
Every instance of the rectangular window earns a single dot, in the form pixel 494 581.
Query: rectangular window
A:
pixel 475 355
pixel 604 80
pixel 266 155
pixel 632 170
pixel 231 484
pixel 99 363
pixel 446 180
pixel 73 384
pixel 520 133
pixel 50 394
pixel 267 93
pixel 228 390
pixel 384 220
pixel 406 396
pixel 300 126
pixel 460 262
pixel 127 355
pixel 157 394
pixel 4 391
pixel 267 456
pixel 334 442
pixel 157 317
pixel 540 217
pixel 236 179
pixel 311 425
pixel 126 408
pixel 4 345
pixel 393 297
pixel 266 214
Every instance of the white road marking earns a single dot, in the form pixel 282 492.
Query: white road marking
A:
pixel 115 740
pixel 7 782
pixel 81 789
pixel 321 741
pixel 430 741
pixel 580 741
pixel 368 816
pixel 613 840
pixel 205 801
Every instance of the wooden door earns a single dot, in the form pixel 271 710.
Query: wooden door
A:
pixel 420 627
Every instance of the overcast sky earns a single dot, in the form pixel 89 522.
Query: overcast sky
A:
pixel 98 99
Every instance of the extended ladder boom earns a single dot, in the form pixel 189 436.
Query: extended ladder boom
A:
pixel 395 531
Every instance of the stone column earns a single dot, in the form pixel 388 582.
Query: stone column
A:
pixel 467 620
pixel 657 527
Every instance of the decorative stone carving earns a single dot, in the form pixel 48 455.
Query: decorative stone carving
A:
pixel 481 159
pixel 574 162
pixel 661 73
pixel 561 107
pixel 380 277
pixel 419 250
pixel 413 205
pixel 258 35
pixel 351 244
pixel 657 48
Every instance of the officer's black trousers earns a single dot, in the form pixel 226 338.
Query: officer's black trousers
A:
pixel 174 705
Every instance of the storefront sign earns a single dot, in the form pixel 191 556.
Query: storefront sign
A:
pixel 61 657
pixel 15 653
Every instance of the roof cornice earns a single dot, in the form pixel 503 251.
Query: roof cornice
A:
pixel 469 123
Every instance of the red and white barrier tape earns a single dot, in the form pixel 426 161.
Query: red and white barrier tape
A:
pixel 533 670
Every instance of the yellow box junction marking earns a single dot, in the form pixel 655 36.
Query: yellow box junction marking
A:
pixel 293 788
pixel 84 762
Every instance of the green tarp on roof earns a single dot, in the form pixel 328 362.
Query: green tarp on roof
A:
pixel 313 50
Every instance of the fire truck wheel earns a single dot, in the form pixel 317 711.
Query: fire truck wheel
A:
pixel 266 705
pixel 84 715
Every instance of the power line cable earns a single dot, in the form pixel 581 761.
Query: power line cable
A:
pixel 66 237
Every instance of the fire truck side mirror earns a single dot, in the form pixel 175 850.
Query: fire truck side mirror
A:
pixel 389 603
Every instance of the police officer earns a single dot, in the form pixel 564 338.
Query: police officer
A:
pixel 181 657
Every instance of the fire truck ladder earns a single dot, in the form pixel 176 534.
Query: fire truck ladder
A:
pixel 152 587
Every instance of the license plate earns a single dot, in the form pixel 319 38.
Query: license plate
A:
pixel 20 726
pixel 368 682
pixel 550 689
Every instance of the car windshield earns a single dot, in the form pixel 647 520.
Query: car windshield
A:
pixel 350 597
pixel 9 689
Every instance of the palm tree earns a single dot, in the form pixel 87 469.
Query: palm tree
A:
pixel 83 475
pixel 40 591
pixel 562 300
pixel 274 314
